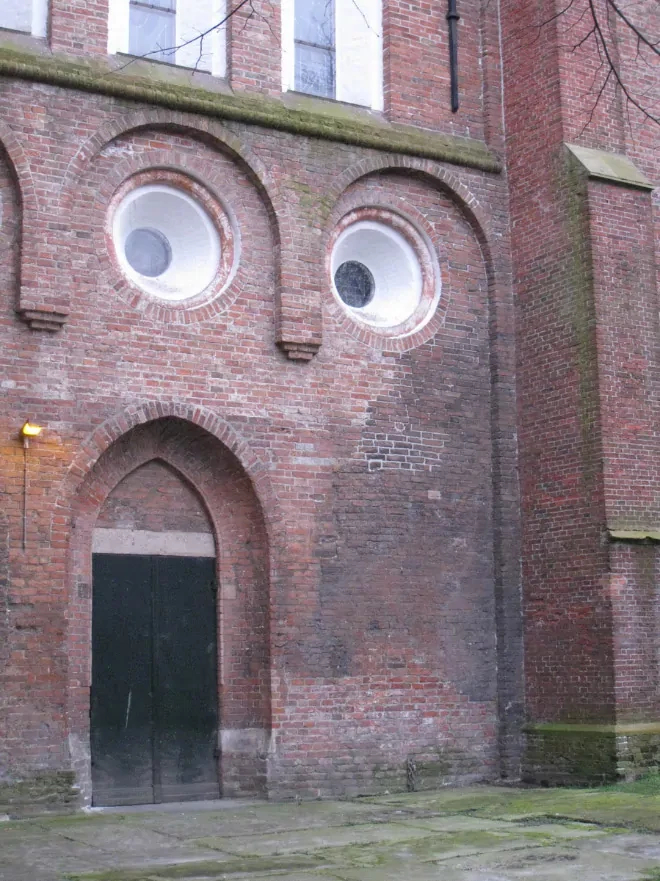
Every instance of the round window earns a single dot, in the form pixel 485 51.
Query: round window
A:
pixel 166 242
pixel 376 274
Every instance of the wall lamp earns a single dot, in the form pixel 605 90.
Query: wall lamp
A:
pixel 29 430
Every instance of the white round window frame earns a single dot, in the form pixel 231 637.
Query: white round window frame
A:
pixel 418 246
pixel 212 215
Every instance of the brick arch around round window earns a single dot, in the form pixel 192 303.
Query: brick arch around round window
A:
pixel 209 457
pixel 282 223
pixel 438 176
pixel 345 200
pixel 223 140
pixel 202 155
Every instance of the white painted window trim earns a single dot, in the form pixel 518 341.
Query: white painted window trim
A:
pixel 288 48
pixel 118 35
pixel 364 38
pixel 118 18
pixel 39 18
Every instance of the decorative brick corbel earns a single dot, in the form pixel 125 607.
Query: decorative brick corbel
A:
pixel 43 319
pixel 299 351
pixel 42 303
pixel 300 331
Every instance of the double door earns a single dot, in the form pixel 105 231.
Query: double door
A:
pixel 154 713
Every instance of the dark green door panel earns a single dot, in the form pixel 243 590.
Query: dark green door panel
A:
pixel 185 658
pixel 154 686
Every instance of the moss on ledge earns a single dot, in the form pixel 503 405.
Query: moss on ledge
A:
pixel 618 728
pixel 331 123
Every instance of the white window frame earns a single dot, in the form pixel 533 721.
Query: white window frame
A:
pixel 39 18
pixel 215 44
pixel 358 41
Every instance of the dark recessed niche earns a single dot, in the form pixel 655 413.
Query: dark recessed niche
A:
pixel 355 284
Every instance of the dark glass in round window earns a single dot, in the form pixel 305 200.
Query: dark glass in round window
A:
pixel 355 284
pixel 148 251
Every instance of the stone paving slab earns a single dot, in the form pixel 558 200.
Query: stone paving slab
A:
pixel 644 846
pixel 474 834
pixel 471 823
pixel 310 840
pixel 267 818
pixel 556 865
pixel 153 846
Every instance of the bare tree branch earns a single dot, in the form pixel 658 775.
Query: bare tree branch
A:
pixel 641 37
pixel 198 37
pixel 614 70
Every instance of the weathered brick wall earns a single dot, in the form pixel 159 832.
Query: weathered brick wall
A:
pixel 588 339
pixel 78 27
pixel 254 47
pixel 567 640
pixel 635 592
pixel 364 503
pixel 419 92
pixel 404 729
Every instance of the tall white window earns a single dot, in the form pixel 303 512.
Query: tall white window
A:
pixel 29 16
pixel 333 48
pixel 152 29
pixel 314 47
pixel 183 32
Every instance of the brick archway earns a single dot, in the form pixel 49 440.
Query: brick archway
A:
pixel 218 478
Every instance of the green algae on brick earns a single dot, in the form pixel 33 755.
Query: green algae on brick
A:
pixel 330 122
pixel 38 793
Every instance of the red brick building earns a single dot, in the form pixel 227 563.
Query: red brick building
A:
pixel 349 476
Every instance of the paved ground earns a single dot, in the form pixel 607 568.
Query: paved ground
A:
pixel 474 834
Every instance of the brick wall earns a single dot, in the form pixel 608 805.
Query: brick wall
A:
pixel 567 637
pixel 364 503
pixel 588 384
pixel 156 499
pixel 419 92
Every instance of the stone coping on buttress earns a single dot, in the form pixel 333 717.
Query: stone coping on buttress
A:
pixel 613 167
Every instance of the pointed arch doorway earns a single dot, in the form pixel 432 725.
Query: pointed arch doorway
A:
pixel 154 698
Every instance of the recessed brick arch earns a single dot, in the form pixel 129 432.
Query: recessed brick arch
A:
pixel 139 413
pixel 21 168
pixel 450 184
pixel 191 173
pixel 439 179
pixel 164 119
pixel 202 452
pixel 491 237
pixel 283 226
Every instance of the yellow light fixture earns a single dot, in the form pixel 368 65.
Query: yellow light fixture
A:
pixel 31 429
